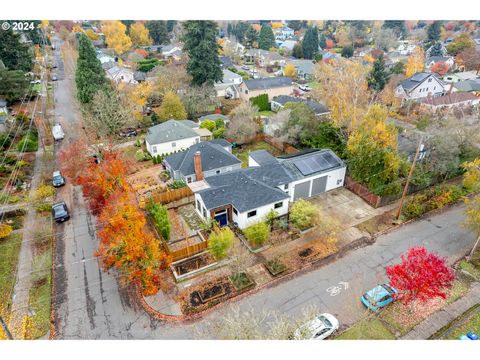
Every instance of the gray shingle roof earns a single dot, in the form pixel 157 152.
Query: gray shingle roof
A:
pixel 221 142
pixel 305 66
pixel 263 157
pixel 415 80
pixel 468 85
pixel 240 190
pixel 170 130
pixel 268 83
pixel 214 117
pixel 213 156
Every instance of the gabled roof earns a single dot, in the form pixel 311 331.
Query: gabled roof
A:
pixel 170 130
pixel 468 85
pixel 437 59
pixel 222 142
pixel 268 83
pixel 450 99
pixel 316 107
pixel 305 66
pixel 263 157
pixel 191 124
pixel 213 156
pixel 417 79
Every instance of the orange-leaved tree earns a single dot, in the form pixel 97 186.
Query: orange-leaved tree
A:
pixel 74 160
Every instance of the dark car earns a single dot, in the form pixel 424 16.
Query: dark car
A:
pixel 58 180
pixel 128 133
pixel 60 212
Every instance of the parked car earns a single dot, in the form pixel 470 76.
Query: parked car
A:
pixel 128 133
pixel 60 212
pixel 469 336
pixel 54 78
pixel 305 87
pixel 58 180
pixel 319 328
pixel 38 81
pixel 57 132
pixel 245 67
pixel 379 297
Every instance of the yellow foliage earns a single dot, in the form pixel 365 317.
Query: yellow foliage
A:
pixel 471 178
pixel 415 62
pixel 77 29
pixel 369 58
pixel 277 25
pixel 44 191
pixel 5 230
pixel 290 71
pixel 115 36
pixel 92 35
pixel 139 34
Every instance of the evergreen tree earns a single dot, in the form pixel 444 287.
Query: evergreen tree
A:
pixel 158 31
pixel 378 77
pixel 14 54
pixel 297 51
pixel 251 37
pixel 266 39
pixel 322 41
pixel 397 25
pixel 347 51
pixel 295 24
pixel 201 45
pixel 433 31
pixel 436 49
pixel 89 76
pixel 170 25
pixel 310 43
pixel 13 85
pixel 229 29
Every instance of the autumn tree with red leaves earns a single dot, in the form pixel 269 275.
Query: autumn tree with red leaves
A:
pixel 439 68
pixel 420 276
pixel 74 160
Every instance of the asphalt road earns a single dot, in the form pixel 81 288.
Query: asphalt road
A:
pixel 91 305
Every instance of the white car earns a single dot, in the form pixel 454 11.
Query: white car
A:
pixel 319 328
pixel 304 87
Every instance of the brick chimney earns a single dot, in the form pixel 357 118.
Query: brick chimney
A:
pixel 197 165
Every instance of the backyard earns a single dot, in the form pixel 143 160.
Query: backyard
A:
pixel 242 153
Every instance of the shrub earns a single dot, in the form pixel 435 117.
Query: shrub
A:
pixel 219 123
pixel 220 241
pixel 303 214
pixel 27 144
pixel 5 230
pixel 219 133
pixel 43 207
pixel 270 217
pixel 210 125
pixel 44 191
pixel 261 101
pixel 5 141
pixel 257 234
pixel 159 215
pixel 140 155
pixel 177 184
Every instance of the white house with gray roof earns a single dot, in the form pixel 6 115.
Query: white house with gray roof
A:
pixel 420 85
pixel 171 136
pixel 246 196
pixel 304 68
pixel 272 86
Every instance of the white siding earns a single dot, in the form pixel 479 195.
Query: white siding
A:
pixel 243 221
pixel 335 180
pixel 167 148
pixel 252 162
pixel 427 88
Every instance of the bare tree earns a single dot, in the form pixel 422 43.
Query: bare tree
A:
pixel 243 127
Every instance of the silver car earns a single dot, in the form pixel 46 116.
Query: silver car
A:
pixel 319 328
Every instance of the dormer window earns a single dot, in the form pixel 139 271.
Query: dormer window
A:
pixel 430 80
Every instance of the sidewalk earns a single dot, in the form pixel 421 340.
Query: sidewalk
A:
pixel 444 316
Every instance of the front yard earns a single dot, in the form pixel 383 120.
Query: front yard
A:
pixel 367 329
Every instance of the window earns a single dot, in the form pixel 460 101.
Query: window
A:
pixel 430 80
pixel 174 144
pixel 246 91
pixel 278 205
pixel 204 213
pixel 154 149
pixel 251 213
pixel 217 172
pixel 285 187
pixel 235 211
pixel 189 179
pixel 199 207
pixel 339 181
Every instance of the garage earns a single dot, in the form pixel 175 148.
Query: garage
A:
pixel 319 185
pixel 302 190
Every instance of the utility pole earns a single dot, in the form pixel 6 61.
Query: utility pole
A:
pixel 5 329
pixel 405 189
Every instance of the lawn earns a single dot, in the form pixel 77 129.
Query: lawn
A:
pixel 471 322
pixel 367 329
pixel 242 153
pixel 266 113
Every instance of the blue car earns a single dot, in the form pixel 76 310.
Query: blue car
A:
pixel 379 297
pixel 470 336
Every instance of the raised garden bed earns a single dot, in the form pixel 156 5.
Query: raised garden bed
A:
pixel 242 281
pixel 306 253
pixel 207 295
pixel 239 234
pixel 275 267
pixel 195 263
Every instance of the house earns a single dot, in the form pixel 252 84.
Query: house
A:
pixel 467 86
pixel 432 60
pixel 228 87
pixel 461 76
pixel 304 68
pixel 405 48
pixel 202 160
pixel 264 58
pixel 454 99
pixel 226 61
pixel 172 136
pixel 408 139
pixel 172 51
pixel 420 85
pixel 121 74
pixel 3 115
pixel 139 76
pixel 287 44
pixel 214 117
pixel 284 33
pixel 246 196
pixel 278 102
pixel 274 86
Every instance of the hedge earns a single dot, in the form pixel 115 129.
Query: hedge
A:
pixel 261 101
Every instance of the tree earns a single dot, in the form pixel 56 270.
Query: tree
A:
pixel 471 181
pixel 301 123
pixel 116 37
pixel 158 31
pixel 439 68
pixel 210 125
pixel 347 51
pixel 139 34
pixel 171 108
pixel 14 54
pixel 266 38
pixel 327 136
pixel 242 127
pixel 295 24
pixel 469 59
pixel 436 49
pixel 303 214
pixel 107 114
pixel 199 99
pixel 257 234
pixel 415 62
pixel 171 78
pixel 378 77
pixel 14 85
pixel 290 71
pixel 396 25
pixel 433 31
pixel 159 215
pixel 385 39
pixel 89 75
pixel 343 86
pixel 251 37
pixel 420 276
pixel 261 102
pixel 310 43
pixel 73 159
pixel 297 51
pixel 202 48
pixel 220 241
pixel 461 43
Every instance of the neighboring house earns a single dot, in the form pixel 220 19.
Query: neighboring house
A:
pixel 273 86
pixel 454 99
pixel 329 56
pixel 228 87
pixel 278 102
pixel 139 76
pixel 171 136
pixel 408 140
pixel 405 48
pixel 467 86
pixel 420 85
pixel 284 33
pixel 287 44
pixel 214 117
pixel 246 196
pixel 172 51
pixel 304 68
pixel 3 114
pixel 202 160
pixel 443 50
pixel 226 61
pixel 264 58
pixel 461 76
pixel 121 74
pixel 432 60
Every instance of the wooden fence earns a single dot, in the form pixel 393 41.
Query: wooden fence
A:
pixel 187 251
pixel 363 192
pixel 167 196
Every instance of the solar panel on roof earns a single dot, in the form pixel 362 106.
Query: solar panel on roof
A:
pixel 317 163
